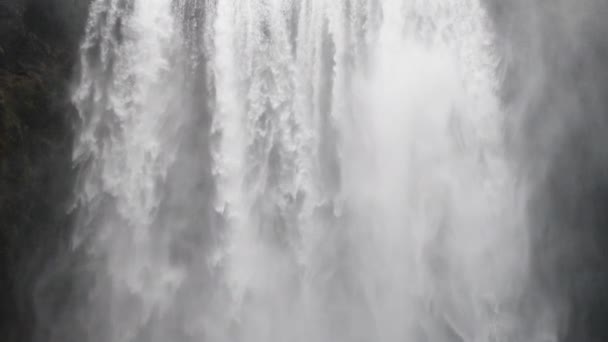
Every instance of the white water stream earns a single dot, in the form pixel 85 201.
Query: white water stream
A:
pixel 297 170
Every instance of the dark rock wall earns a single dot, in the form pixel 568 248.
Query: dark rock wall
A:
pixel 38 42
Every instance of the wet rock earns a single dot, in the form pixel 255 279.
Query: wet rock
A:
pixel 38 45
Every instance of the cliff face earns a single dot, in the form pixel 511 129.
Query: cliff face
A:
pixel 38 43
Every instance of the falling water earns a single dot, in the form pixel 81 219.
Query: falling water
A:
pixel 296 170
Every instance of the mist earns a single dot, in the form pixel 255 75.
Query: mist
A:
pixel 554 64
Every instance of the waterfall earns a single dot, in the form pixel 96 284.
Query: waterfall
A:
pixel 297 170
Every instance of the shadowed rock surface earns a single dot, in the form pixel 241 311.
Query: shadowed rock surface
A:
pixel 38 41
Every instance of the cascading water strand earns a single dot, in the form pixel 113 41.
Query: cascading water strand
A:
pixel 356 186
